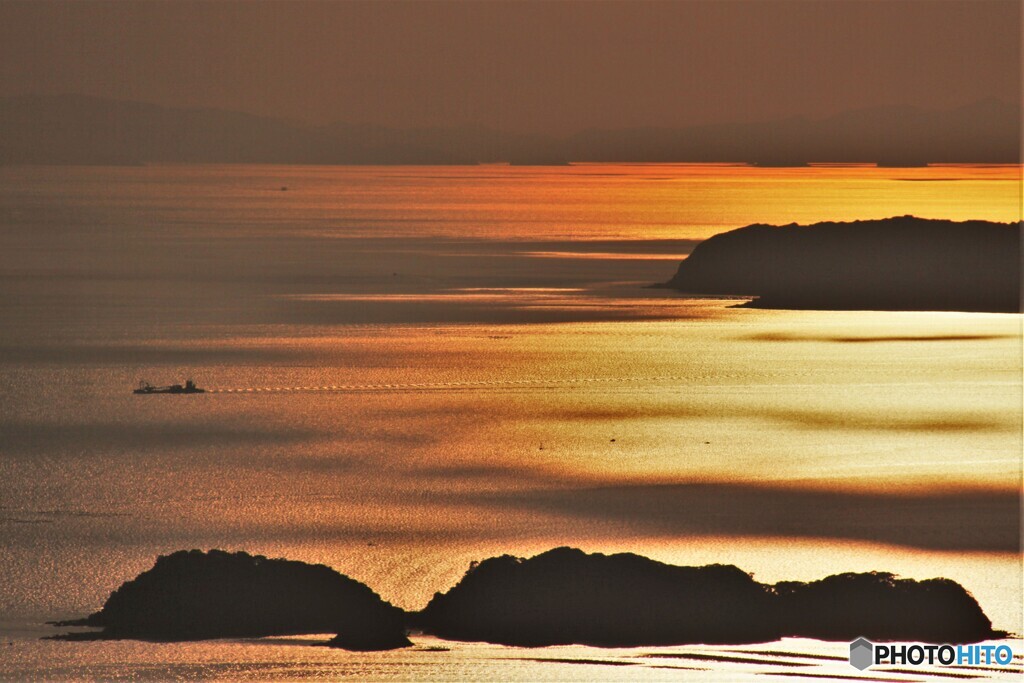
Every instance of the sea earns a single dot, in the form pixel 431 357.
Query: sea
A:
pixel 409 369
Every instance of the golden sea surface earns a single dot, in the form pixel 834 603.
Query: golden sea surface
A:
pixel 413 368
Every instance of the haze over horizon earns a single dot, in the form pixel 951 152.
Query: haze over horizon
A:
pixel 77 129
pixel 539 68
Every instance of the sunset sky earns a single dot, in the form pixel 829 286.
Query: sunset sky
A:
pixel 538 67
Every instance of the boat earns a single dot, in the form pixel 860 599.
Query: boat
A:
pixel 188 388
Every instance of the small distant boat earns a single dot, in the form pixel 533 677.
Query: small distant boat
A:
pixel 188 388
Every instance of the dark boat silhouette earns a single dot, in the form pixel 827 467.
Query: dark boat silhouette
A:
pixel 188 388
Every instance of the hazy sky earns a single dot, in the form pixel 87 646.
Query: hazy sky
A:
pixel 551 67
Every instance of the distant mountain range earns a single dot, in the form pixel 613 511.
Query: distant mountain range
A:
pixel 77 129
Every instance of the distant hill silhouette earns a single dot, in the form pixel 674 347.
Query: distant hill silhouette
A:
pixel 78 129
pixel 567 596
pixel 192 595
pixel 983 132
pixel 902 263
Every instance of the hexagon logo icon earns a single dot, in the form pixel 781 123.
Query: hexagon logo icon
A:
pixel 862 654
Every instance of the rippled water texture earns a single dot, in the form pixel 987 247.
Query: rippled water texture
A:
pixel 413 368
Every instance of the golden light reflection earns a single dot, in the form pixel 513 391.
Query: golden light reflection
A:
pixel 654 201
pixel 399 452
pixel 605 256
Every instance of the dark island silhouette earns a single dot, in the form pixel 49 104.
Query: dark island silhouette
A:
pixel 879 604
pixel 901 263
pixel 566 596
pixel 195 595
pixel 559 597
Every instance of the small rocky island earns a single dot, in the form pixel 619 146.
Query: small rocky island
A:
pixel 195 595
pixel 879 606
pixel 563 596
pixel 567 596
pixel 901 263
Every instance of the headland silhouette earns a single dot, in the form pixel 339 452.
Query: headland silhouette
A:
pixel 900 263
